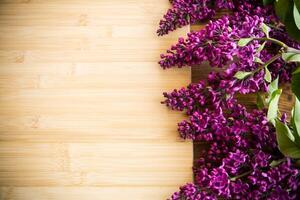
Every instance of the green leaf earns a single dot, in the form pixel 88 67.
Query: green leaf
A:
pixel 265 29
pixel 291 26
pixel 295 121
pixel 275 163
pixel 261 47
pixel 273 86
pixel 297 70
pixel 258 60
pixel 287 56
pixel 273 106
pixel 296 16
pixel 268 76
pixel 266 2
pixel 241 75
pixel 297 3
pixel 287 131
pixel 296 84
pixel 244 41
pixel 283 8
pixel 292 30
pixel 260 101
pixel 285 141
pixel 291 57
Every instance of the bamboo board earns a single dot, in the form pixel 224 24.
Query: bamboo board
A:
pixel 80 92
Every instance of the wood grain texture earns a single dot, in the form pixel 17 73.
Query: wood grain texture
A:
pixel 80 92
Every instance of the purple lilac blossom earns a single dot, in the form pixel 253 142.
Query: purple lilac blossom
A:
pixel 241 145
pixel 184 12
pixel 217 44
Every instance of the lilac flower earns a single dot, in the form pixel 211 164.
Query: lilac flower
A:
pixel 184 12
pixel 261 159
pixel 215 44
pixel 192 192
pixel 191 11
pixel 220 182
pixel 235 161
pixel 240 145
pixel 239 189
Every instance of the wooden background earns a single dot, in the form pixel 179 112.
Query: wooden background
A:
pixel 80 92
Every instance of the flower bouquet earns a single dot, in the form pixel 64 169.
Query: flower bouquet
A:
pixel 249 153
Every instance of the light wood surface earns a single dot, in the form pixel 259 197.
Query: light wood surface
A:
pixel 80 92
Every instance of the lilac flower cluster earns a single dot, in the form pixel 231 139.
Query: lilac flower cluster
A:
pixel 192 192
pixel 242 160
pixel 270 183
pixel 191 11
pixel 217 44
pixel 238 162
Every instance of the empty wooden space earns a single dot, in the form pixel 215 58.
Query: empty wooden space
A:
pixel 80 92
